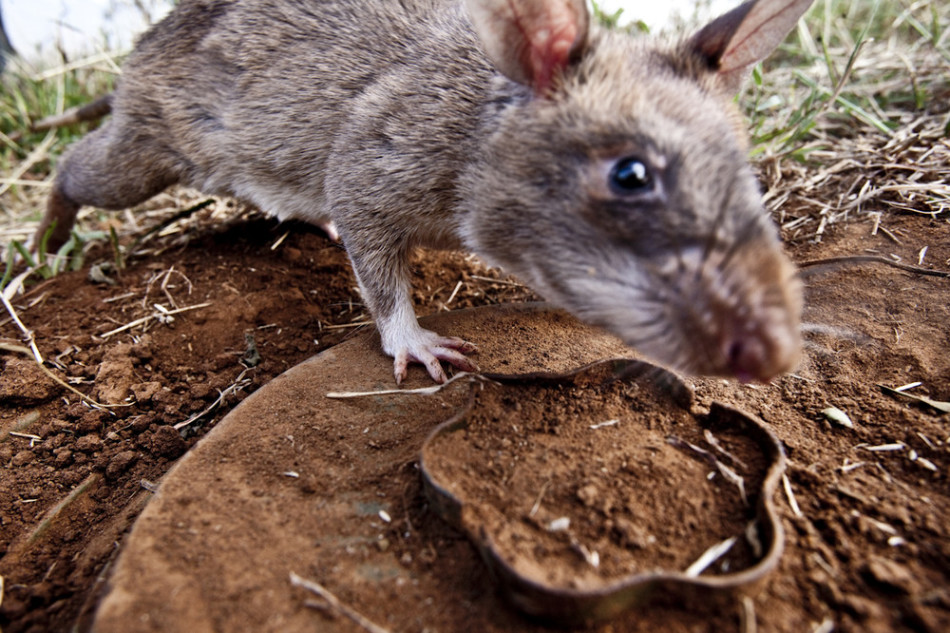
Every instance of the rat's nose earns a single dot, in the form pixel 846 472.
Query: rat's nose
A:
pixel 752 312
pixel 762 355
pixel 744 360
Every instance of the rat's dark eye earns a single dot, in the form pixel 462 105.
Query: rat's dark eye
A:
pixel 630 175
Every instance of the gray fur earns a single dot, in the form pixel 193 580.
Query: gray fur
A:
pixel 385 117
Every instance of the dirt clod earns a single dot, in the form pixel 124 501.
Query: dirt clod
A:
pixel 25 383
pixel 891 575
pixel 120 463
pixel 145 391
pixel 165 441
pixel 89 444
pixel 115 375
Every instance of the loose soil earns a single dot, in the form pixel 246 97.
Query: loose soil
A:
pixel 579 489
pixel 867 515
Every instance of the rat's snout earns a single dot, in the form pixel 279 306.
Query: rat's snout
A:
pixel 755 308
pixel 762 351
pixel 742 310
pixel 732 311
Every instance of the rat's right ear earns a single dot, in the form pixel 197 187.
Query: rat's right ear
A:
pixel 530 41
pixel 733 42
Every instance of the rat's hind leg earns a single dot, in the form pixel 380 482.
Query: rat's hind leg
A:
pixel 110 169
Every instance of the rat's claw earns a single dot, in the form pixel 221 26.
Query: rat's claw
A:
pixel 430 351
pixel 457 359
pixel 401 366
pixel 330 229
pixel 453 343
pixel 434 367
pixel 450 345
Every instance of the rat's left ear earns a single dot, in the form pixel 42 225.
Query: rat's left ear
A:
pixel 733 42
pixel 530 41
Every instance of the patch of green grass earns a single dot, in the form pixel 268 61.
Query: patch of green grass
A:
pixel 30 95
pixel 27 158
pixel 852 66
pixel 70 256
pixel 614 20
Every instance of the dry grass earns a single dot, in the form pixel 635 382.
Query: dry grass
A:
pixel 907 171
pixel 859 124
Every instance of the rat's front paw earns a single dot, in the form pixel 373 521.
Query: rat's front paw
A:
pixel 429 349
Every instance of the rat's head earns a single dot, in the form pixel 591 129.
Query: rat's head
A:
pixel 617 185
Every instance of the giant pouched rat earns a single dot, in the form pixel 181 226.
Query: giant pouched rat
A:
pixel 605 170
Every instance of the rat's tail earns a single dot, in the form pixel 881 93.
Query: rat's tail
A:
pixel 88 112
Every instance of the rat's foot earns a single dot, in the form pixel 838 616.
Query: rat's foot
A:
pixel 428 348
